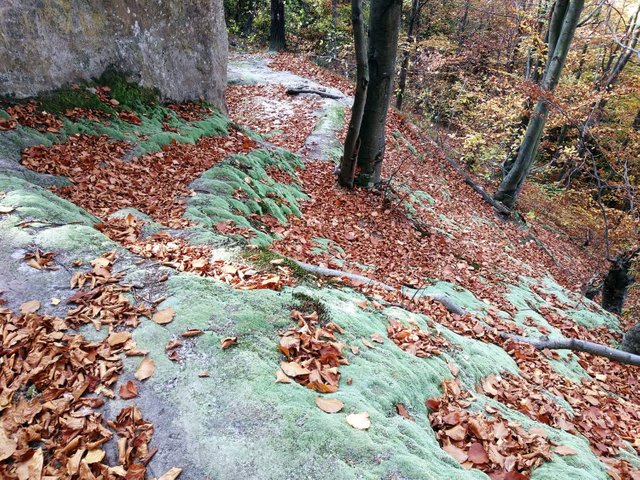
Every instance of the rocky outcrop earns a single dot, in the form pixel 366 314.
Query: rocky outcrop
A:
pixel 178 47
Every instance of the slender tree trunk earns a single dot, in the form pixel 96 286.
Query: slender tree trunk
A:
pixel 384 28
pixel 351 143
pixel 562 27
pixel 636 121
pixel 277 33
pixel 404 69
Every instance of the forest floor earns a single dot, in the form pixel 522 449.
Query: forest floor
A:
pixel 149 302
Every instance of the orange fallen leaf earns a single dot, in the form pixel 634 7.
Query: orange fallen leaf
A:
pixel 228 342
pixel 329 405
pixel 145 369
pixel 477 454
pixel 7 445
pixel 565 451
pixel 128 390
pixel 281 377
pixel 203 373
pixel 162 317
pixel 456 453
pixel 30 307
pixel 192 332
pixel 293 369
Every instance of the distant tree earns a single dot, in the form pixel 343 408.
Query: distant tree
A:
pixel 416 6
pixel 384 29
pixel 277 41
pixel 352 142
pixel 564 20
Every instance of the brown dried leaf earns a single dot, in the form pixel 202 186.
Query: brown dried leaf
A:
pixel 162 317
pixel 359 421
pixel 329 405
pixel 145 369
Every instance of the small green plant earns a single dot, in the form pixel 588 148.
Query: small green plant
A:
pixel 130 95
pixel 68 97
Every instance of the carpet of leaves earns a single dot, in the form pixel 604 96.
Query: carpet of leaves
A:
pixel 103 182
pixel 53 382
pixel 286 120
pixel 313 353
pixel 483 255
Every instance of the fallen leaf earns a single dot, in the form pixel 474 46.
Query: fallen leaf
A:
pixel 145 369
pixel 118 338
pixel 7 445
pixel 359 421
pixel 281 377
pixel 376 337
pixel 294 369
pixel 30 307
pixel 128 390
pixel 162 317
pixel 192 332
pixel 456 453
pixel 403 412
pixel 329 405
pixel 31 469
pixel 6 209
pixel 94 456
pixel 477 454
pixel 171 474
pixel 228 342
pixel 564 450
pixel 204 373
pixel 55 301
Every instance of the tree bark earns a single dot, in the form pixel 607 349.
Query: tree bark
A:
pixel 384 28
pixel 277 40
pixel 404 69
pixel 564 20
pixel 351 143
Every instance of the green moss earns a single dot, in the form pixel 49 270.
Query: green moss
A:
pixel 66 98
pixel 262 258
pixel 35 203
pixel 215 201
pixel 130 95
pixel 79 239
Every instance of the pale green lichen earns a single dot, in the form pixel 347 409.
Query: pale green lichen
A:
pixel 215 200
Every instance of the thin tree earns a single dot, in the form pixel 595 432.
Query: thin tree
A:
pixel 277 40
pixel 566 14
pixel 416 6
pixel 352 142
pixel 384 28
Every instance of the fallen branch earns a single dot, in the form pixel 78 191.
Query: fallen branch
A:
pixel 322 93
pixel 539 343
pixel 577 346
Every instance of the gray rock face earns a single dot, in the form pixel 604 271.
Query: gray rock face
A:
pixel 179 47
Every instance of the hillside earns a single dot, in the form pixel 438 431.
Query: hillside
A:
pixel 155 320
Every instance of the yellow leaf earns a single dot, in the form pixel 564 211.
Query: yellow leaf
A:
pixel 94 456
pixel 162 317
pixel 145 369
pixel 359 421
pixel 30 306
pixel 55 301
pixel 329 405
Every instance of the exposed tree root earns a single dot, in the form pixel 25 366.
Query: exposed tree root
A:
pixel 316 91
pixel 539 343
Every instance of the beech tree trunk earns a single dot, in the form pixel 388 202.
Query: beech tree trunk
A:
pixel 351 143
pixel 564 20
pixel 404 69
pixel 277 40
pixel 384 28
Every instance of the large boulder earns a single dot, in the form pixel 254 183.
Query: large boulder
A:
pixel 179 47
